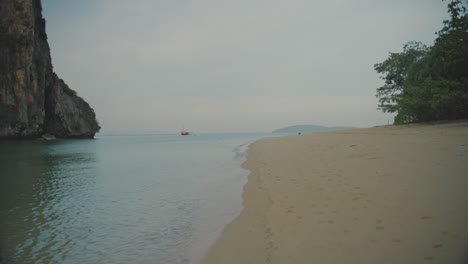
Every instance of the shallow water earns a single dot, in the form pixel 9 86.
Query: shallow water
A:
pixel 118 199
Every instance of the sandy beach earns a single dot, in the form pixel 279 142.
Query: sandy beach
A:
pixel 396 194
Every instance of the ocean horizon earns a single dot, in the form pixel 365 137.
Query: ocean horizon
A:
pixel 149 198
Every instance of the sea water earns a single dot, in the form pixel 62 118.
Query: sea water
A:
pixel 119 199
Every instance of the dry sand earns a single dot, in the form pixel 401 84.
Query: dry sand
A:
pixel 379 195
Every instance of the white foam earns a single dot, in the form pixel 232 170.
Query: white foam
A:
pixel 240 152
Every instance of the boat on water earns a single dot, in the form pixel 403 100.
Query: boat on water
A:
pixel 183 132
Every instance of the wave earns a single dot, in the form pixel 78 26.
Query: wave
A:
pixel 240 152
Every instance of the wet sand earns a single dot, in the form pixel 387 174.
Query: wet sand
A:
pixel 396 194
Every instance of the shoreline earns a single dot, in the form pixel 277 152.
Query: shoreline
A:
pixel 224 203
pixel 393 194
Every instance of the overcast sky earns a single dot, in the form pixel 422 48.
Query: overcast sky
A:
pixel 232 65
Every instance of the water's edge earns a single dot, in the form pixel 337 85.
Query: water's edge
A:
pixel 203 242
pixel 120 199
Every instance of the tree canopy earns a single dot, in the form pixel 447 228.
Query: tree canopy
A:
pixel 429 83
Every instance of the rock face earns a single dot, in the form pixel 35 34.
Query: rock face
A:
pixel 33 99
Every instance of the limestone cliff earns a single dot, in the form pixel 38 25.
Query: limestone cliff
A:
pixel 33 100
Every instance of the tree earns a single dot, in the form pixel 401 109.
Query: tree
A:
pixel 429 83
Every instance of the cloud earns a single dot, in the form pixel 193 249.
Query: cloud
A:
pixel 152 65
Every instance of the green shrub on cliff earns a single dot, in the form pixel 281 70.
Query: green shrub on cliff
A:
pixel 429 83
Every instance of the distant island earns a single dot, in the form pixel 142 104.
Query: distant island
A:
pixel 308 129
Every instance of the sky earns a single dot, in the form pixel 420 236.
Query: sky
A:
pixel 156 66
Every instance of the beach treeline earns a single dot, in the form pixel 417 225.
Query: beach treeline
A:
pixel 429 83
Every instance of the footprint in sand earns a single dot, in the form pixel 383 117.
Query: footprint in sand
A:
pixel 449 234
pixel 436 245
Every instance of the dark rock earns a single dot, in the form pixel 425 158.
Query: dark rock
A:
pixel 33 100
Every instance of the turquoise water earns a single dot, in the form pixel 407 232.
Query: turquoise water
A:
pixel 119 199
